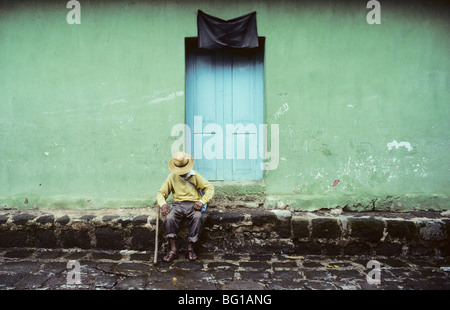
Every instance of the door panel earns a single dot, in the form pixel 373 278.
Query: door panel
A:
pixel 224 107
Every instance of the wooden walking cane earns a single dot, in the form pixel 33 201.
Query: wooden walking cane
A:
pixel 155 259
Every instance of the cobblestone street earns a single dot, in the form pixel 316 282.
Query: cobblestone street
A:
pixel 31 269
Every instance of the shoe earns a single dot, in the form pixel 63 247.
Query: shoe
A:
pixel 170 257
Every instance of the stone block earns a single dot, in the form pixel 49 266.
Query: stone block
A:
pixel 331 249
pixel 447 227
pixel 357 248
pixel 300 227
pixel 366 229
pixel 44 238
pixel 283 229
pixel 21 219
pixel 401 229
pixel 389 249
pixel 111 256
pixel 73 238
pixel 222 265
pixel 421 250
pixel 13 238
pixel 255 265
pixel 445 249
pixel 140 220
pixel 224 218
pixel 325 228
pixel 45 219
pixel 263 223
pixel 431 230
pixel 109 218
pixel 307 248
pixel 3 219
pixel 109 238
pixel 142 239
pixel 88 217
pixel 63 220
pixel 260 218
pixel 282 215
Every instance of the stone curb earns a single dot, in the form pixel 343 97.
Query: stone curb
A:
pixel 235 230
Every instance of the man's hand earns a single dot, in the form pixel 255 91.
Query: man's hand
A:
pixel 164 209
pixel 198 205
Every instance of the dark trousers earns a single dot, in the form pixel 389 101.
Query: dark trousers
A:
pixel 180 211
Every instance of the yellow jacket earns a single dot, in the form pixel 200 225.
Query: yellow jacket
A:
pixel 184 192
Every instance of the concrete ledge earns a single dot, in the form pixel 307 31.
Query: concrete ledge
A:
pixel 363 202
pixel 236 230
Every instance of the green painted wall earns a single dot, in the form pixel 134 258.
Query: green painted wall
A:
pixel 86 111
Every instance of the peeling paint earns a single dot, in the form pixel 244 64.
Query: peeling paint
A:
pixel 396 145
pixel 168 97
pixel 283 109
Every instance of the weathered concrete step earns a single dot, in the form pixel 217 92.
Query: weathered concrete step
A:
pixel 235 230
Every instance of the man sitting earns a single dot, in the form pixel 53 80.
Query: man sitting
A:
pixel 190 193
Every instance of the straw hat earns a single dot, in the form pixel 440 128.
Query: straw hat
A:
pixel 181 163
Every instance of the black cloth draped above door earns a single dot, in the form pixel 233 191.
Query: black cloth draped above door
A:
pixel 214 33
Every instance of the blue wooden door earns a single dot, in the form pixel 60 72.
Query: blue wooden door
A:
pixel 224 108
